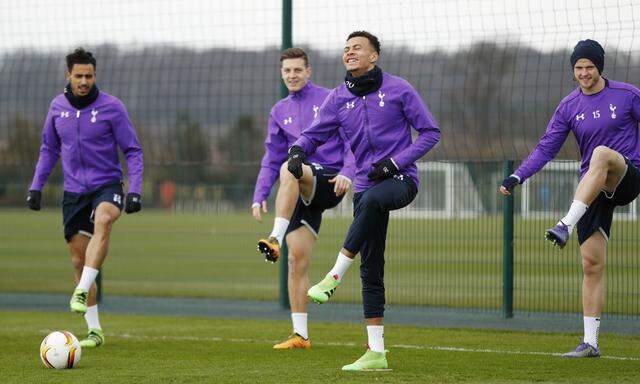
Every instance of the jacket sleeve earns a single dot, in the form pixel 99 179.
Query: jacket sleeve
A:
pixel 547 148
pixel 349 161
pixel 128 142
pixel 321 129
pixel 635 105
pixel 275 154
pixel 49 153
pixel 423 122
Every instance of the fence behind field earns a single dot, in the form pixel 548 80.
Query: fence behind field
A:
pixel 199 80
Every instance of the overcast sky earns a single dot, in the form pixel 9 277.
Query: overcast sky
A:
pixel 322 24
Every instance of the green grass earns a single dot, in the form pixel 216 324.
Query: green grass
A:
pixel 436 262
pixel 144 349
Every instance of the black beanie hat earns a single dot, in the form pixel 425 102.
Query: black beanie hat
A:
pixel 589 49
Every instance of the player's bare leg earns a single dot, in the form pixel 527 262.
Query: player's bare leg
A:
pixel 105 215
pixel 300 244
pixel 606 168
pixel 78 247
pixel 594 255
pixel 286 199
pixel 95 336
pixel 291 188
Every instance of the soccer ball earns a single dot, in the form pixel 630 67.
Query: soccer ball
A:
pixel 60 350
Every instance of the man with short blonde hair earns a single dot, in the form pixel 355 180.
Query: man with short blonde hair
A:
pixel 300 202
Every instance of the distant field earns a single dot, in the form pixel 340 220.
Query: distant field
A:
pixel 437 262
pixel 145 349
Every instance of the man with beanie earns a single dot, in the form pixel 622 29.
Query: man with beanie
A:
pixel 375 111
pixel 84 128
pixel 603 116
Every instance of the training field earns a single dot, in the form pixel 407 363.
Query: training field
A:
pixel 142 349
pixel 444 263
pixel 188 255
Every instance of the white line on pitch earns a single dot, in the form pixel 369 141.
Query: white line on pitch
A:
pixel 334 344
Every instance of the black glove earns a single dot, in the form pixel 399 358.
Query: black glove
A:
pixel 296 158
pixel 133 203
pixel 383 169
pixel 510 182
pixel 34 199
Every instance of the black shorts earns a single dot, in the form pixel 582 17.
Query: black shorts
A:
pixel 309 213
pixel 600 213
pixel 78 209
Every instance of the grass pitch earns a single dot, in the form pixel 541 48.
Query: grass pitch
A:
pixel 143 349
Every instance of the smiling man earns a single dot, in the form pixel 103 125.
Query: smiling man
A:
pixel 603 116
pixel 300 202
pixel 85 127
pixel 375 111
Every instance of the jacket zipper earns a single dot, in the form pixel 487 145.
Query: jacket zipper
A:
pixel 366 125
pixel 83 169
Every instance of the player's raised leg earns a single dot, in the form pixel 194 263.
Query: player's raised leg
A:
pixel 300 243
pixel 606 168
pixel 105 215
pixel 286 199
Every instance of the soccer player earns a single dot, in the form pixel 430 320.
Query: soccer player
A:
pixel 603 116
pixel 374 110
pixel 300 202
pixel 85 127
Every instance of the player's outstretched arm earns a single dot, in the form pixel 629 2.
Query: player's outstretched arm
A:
pixel 547 148
pixel 343 181
pixel 275 154
pixel 321 129
pixel 128 142
pixel 49 154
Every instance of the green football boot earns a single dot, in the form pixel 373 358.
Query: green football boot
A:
pixel 78 302
pixel 370 361
pixel 94 339
pixel 321 292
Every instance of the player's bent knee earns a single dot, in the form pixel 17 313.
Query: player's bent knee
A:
pixel 603 155
pixel 369 201
pixel 105 220
pixel 285 175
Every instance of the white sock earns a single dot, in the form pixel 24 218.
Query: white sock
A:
pixel 300 324
pixel 280 226
pixel 591 328
pixel 88 277
pixel 376 337
pixel 92 317
pixel 576 211
pixel 340 268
